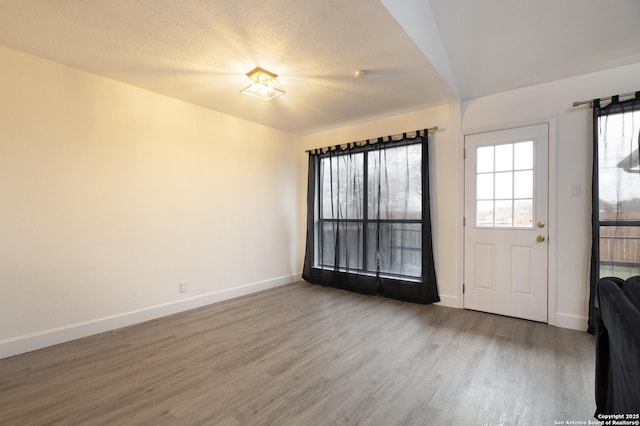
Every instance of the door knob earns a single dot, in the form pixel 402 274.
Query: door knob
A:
pixel 540 224
pixel 540 238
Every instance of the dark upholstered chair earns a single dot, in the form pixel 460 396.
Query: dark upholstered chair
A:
pixel 618 346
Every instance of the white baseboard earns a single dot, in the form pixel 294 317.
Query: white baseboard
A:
pixel 572 322
pixel 31 342
pixel 448 301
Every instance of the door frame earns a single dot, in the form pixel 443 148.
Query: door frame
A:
pixel 552 264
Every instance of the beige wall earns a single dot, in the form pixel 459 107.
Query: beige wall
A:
pixel 111 195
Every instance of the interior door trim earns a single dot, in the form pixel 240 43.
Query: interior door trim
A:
pixel 553 317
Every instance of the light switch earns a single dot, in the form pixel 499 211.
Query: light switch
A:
pixel 576 190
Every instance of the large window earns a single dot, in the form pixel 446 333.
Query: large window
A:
pixel 368 219
pixel 615 194
pixel 373 202
pixel 619 193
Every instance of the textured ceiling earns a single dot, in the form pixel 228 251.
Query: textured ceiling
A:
pixel 497 45
pixel 199 50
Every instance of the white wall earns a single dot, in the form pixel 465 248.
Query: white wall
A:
pixel 445 182
pixel 573 157
pixel 111 195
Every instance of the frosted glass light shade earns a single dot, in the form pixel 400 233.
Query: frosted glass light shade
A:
pixel 262 84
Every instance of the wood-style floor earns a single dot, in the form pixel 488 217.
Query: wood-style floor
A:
pixel 307 355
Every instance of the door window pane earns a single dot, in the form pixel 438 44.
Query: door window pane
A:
pixel 484 159
pixel 484 213
pixel 504 213
pixel 523 184
pixel 504 157
pixel 523 155
pixel 504 185
pixel 484 186
pixel 523 213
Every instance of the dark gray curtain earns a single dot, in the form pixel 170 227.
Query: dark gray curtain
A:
pixel 369 221
pixel 615 213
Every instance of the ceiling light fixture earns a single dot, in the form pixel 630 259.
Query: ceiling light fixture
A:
pixel 359 74
pixel 262 84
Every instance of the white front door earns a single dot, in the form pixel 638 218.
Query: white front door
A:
pixel 506 209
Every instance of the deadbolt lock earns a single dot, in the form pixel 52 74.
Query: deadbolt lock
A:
pixel 540 224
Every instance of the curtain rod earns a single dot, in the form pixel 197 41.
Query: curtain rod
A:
pixel 365 141
pixel 606 98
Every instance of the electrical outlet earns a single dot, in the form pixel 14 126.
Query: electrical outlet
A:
pixel 182 287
